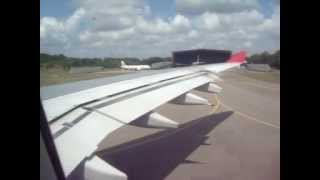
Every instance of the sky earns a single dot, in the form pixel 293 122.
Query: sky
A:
pixel 148 28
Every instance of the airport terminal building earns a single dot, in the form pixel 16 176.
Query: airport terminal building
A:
pixel 205 56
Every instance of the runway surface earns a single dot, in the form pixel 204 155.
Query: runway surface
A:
pixel 238 138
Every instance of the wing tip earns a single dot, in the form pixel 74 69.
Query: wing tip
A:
pixel 239 57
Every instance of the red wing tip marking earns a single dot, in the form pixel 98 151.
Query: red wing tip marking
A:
pixel 239 57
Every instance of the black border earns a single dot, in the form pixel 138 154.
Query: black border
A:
pixel 20 87
pixel 299 90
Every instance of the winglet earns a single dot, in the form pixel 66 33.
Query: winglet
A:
pixel 239 57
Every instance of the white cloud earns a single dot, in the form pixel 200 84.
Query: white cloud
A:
pixel 50 24
pixel 207 21
pixel 73 21
pixel 272 25
pixel 180 21
pixel 150 27
pixel 52 35
pixel 196 7
pixel 126 28
pixel 159 26
pixel 193 34
pixel 111 15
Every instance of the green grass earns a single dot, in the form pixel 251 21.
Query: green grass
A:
pixel 59 76
pixel 273 76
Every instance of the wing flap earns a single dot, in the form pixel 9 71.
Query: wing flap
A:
pixel 135 107
pixel 82 139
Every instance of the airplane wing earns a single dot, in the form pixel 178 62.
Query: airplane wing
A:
pixel 80 121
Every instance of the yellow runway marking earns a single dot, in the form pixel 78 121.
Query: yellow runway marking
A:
pixel 250 117
pixel 216 105
pixel 215 108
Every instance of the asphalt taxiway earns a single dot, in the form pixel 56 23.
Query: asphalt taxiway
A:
pixel 237 138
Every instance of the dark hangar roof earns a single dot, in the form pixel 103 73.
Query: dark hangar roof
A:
pixel 187 57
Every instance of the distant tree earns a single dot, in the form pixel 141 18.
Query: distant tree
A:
pixel 266 58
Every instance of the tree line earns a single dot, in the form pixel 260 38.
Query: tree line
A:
pixel 48 61
pixel 273 59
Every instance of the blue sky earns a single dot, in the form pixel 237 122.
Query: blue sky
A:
pixel 56 8
pixel 156 27
pixel 164 8
pixel 63 8
pixel 161 8
pixel 267 7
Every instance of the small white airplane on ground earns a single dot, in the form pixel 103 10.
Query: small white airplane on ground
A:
pixel 134 67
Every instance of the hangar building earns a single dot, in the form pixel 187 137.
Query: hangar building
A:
pixel 187 57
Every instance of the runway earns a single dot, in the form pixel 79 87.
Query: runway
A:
pixel 238 138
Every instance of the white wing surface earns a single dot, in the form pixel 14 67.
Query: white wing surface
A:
pixel 80 121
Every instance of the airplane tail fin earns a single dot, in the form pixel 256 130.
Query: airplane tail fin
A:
pixel 239 57
pixel 123 63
